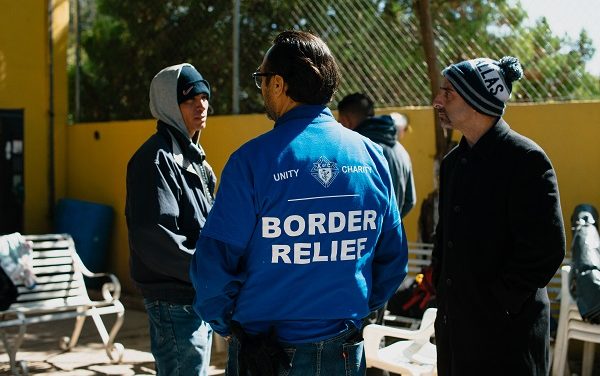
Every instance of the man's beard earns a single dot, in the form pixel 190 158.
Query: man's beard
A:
pixel 271 114
pixel 445 121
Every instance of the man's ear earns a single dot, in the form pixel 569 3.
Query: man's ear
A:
pixel 278 85
pixel 343 119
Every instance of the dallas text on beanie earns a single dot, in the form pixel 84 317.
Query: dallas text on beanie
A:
pixel 485 84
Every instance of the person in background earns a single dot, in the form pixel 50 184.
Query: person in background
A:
pixel 169 194
pixel 297 205
pixel 429 212
pixel 356 112
pixel 500 236
pixel 401 123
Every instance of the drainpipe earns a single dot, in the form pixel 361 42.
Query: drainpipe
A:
pixel 51 191
pixel 235 100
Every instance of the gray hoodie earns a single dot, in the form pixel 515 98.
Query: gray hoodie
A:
pixel 163 97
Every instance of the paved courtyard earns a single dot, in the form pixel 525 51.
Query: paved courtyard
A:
pixel 44 357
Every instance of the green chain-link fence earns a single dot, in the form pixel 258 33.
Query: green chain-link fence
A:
pixel 377 44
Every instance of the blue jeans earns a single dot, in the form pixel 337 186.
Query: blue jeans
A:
pixel 179 339
pixel 342 355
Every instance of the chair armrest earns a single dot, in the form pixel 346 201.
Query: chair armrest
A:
pixel 111 291
pixel 373 334
pixel 381 331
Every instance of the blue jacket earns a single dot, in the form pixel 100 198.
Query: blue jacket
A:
pixel 305 233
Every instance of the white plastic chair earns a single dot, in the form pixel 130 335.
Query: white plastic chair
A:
pixel 572 326
pixel 414 357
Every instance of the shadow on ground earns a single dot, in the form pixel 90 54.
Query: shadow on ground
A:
pixel 40 348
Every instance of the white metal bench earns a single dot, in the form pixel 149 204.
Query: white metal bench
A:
pixel 60 294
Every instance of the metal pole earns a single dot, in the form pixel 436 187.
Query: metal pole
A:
pixel 51 192
pixel 77 62
pixel 235 99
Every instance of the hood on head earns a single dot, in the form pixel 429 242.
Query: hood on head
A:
pixel 163 98
pixel 584 214
pixel 380 129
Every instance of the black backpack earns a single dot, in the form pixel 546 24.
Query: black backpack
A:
pixel 585 271
pixel 414 300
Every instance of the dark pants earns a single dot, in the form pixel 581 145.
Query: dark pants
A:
pixel 339 355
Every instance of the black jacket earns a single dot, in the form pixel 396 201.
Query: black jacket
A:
pixel 500 239
pixel 382 130
pixel 167 205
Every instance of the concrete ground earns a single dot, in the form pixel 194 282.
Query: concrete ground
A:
pixel 44 357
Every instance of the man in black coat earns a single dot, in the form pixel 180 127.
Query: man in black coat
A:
pixel 500 236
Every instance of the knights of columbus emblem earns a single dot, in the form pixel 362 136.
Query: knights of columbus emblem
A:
pixel 324 171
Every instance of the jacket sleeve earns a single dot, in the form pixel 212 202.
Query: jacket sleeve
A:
pixel 390 259
pixel 217 268
pixel 402 178
pixel 410 194
pixel 152 216
pixel 217 277
pixel 537 229
pixel 437 254
pixel 389 265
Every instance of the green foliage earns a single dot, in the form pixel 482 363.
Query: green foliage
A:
pixel 376 42
pixel 130 41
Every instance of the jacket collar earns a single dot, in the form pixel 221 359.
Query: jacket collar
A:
pixel 486 145
pixel 185 153
pixel 310 113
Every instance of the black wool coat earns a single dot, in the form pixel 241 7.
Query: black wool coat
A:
pixel 499 241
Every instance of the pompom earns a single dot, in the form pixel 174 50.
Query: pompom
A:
pixel 511 67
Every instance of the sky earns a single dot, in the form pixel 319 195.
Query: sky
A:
pixel 570 16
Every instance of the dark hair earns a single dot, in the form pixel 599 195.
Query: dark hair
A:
pixel 306 65
pixel 358 105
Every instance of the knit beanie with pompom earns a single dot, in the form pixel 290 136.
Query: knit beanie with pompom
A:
pixel 485 84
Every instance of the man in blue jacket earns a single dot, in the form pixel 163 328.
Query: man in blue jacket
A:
pixel 305 238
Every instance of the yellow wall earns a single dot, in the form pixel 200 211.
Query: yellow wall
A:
pixel 25 84
pixel 97 165
pixel 568 133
